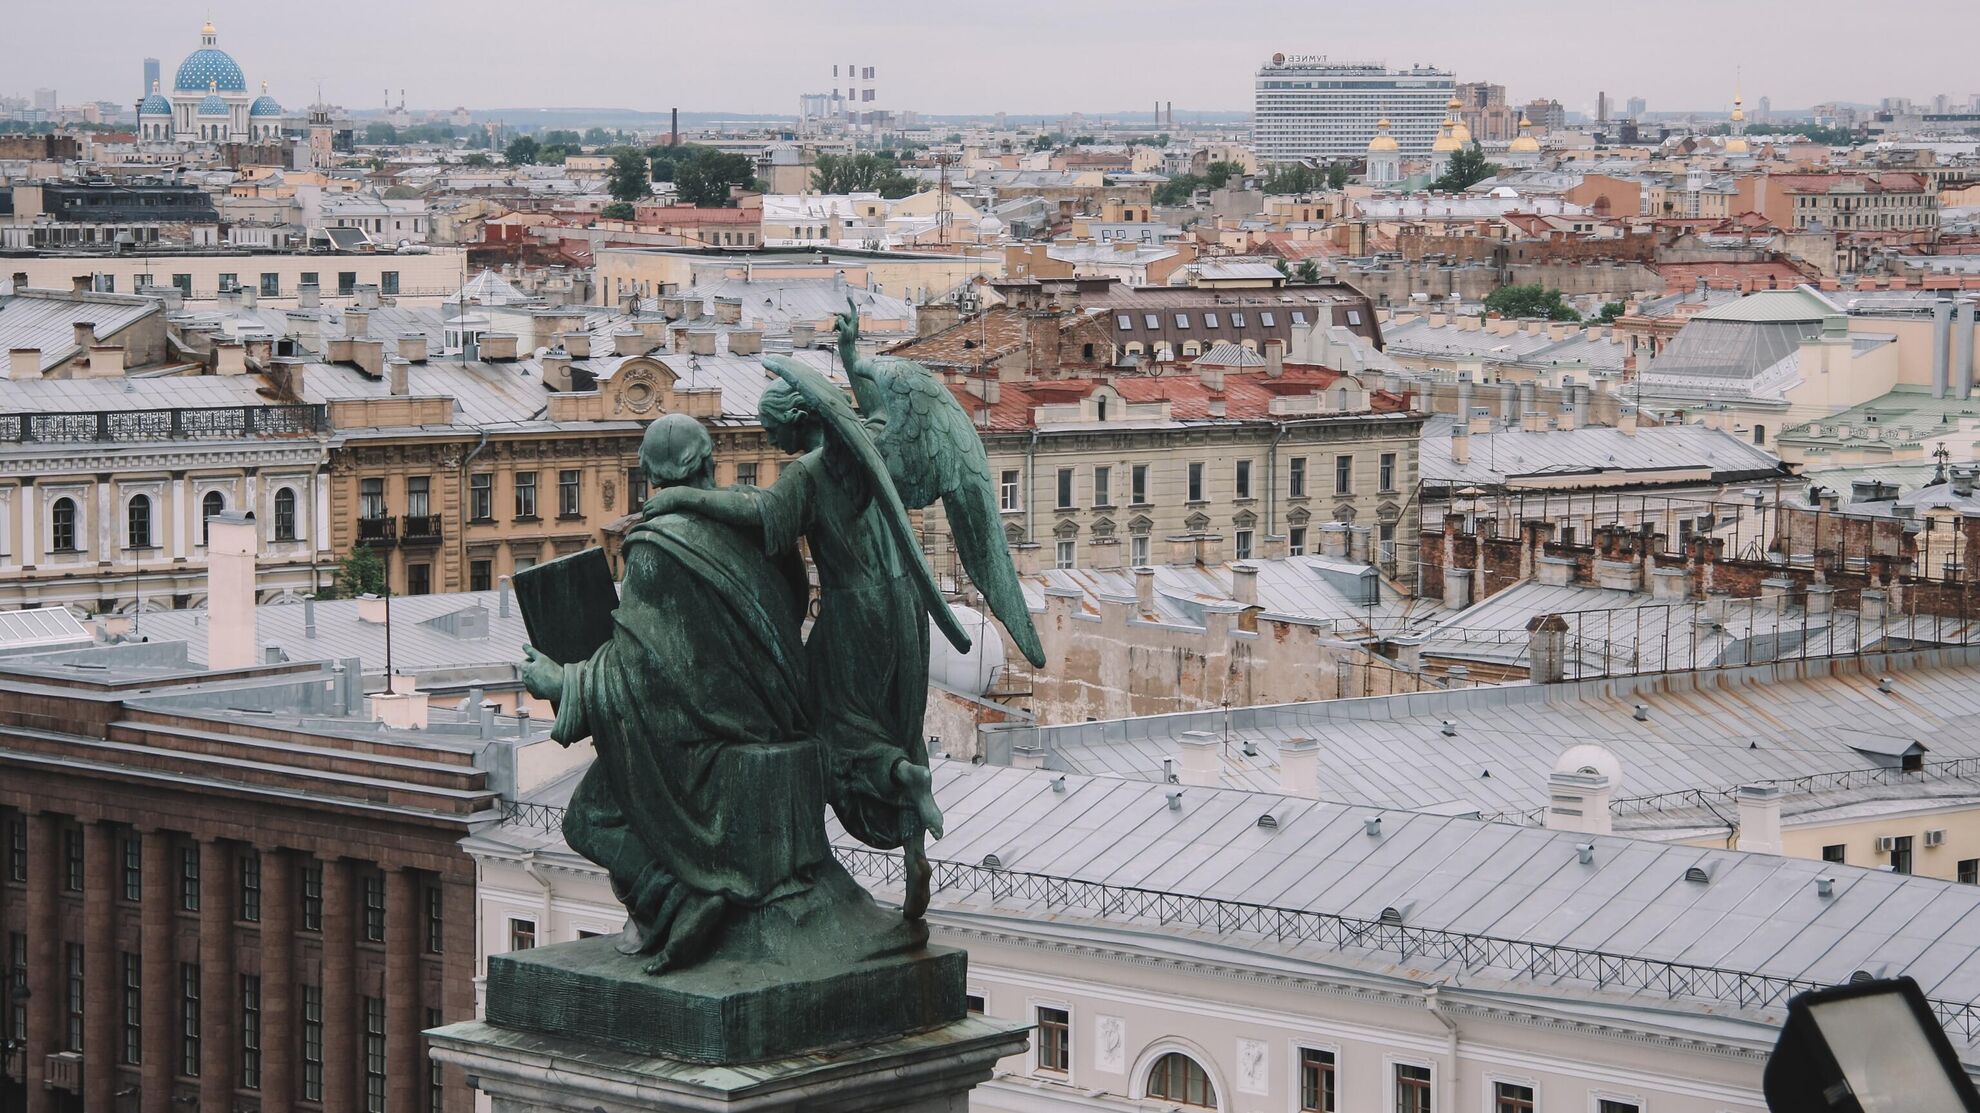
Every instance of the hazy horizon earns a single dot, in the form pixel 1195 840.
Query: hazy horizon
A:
pixel 1102 58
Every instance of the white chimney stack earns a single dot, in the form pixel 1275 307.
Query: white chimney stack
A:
pixel 231 543
pixel 1200 758
pixel 1760 818
pixel 1579 802
pixel 1299 767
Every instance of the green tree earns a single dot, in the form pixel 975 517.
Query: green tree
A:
pixel 360 572
pixel 631 177
pixel 1337 175
pixel 1610 311
pixel 1308 271
pixel 562 137
pixel 523 150
pixel 1292 178
pixel 617 210
pixel 1218 173
pixel 1527 302
pixel 1466 169
pixel 1284 269
pixel 860 173
pixel 708 177
pixel 666 159
pixel 477 159
pixel 1178 190
pixel 380 133
pixel 400 193
pixel 597 136
pixel 1045 142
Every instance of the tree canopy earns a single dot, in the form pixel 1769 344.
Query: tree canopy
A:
pixel 1293 177
pixel 1178 190
pixel 631 177
pixel 1466 169
pixel 706 177
pixel 861 173
pixel 617 210
pixel 1526 302
pixel 522 150
pixel 360 572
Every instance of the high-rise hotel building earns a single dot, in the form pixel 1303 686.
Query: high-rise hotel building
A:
pixel 1309 107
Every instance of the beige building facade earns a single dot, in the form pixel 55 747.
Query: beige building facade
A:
pixel 425 278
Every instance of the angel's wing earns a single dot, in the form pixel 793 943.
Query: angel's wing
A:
pixel 844 426
pixel 933 450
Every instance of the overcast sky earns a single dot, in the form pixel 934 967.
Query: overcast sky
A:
pixel 1019 56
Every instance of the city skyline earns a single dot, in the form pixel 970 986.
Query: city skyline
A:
pixel 636 67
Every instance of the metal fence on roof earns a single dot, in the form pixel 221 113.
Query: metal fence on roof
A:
pixel 175 424
pixel 1515 957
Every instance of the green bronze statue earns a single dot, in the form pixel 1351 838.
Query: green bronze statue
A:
pixel 722 733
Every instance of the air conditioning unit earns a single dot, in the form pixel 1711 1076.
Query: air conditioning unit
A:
pixel 1935 837
pixel 1886 843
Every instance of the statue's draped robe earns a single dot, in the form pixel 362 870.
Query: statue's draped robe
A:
pixel 701 683
pixel 868 652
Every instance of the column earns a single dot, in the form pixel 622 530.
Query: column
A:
pixel 44 973
pixel 30 519
pixel 101 966
pixel 217 991
pixel 181 511
pixel 159 971
pixel 405 1052
pixel 339 988
pixel 279 1042
pixel 459 944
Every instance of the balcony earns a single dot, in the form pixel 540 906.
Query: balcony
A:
pixel 420 529
pixel 378 532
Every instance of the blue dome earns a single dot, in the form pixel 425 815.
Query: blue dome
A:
pixel 265 105
pixel 155 105
pixel 209 67
pixel 212 105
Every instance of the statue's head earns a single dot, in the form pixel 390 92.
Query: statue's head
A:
pixel 787 417
pixel 677 452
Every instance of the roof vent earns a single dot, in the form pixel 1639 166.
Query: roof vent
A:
pixel 1449 729
pixel 1585 852
pixel 1641 713
pixel 1269 821
pixel 1825 886
pixel 1059 783
pixel 1884 684
pixel 992 862
pixel 1372 824
pixel 1250 748
pixel 1169 770
pixel 1699 874
pixel 1397 913
pixel 1175 800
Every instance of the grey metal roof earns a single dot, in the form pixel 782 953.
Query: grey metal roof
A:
pixel 1315 588
pixel 1510 452
pixel 40 628
pixel 34 320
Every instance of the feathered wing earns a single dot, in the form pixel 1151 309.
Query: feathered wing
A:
pixel 932 451
pixel 844 426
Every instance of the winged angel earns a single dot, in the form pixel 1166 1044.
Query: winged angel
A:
pixel 847 495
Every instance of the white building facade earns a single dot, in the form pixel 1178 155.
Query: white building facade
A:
pixel 1306 107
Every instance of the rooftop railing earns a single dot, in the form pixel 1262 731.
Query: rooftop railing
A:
pixel 178 424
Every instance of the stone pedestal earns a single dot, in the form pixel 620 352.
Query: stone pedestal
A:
pixel 925 1072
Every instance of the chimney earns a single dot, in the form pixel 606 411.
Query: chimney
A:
pixel 20 282
pixel 578 344
pixel 701 341
pixel 1361 544
pixel 1334 540
pixel 1244 584
pixel 1942 310
pixel 1871 606
pixel 230 588
pixel 728 311
pixel 803 335
pixel 412 348
pixel 556 371
pixel 23 364
pixel 371 609
pixel 1546 649
pixel 85 334
pixel 1578 801
pixel 309 295
pixel 502 598
pixel 309 616
pixel 1626 421
pixel 106 361
pixel 229 358
pixel 1963 326
pixel 1275 358
pixel 628 342
pixel 1760 818
pixel 1211 377
pixel 498 346
pixel 1669 584
pixel 745 341
pixel 1144 589
pixel 1299 767
pixel 1457 588
pixel 1200 759
pixel 81 284
pixel 365 295
pixel 1460 446
pixel 398 374
pixel 356 321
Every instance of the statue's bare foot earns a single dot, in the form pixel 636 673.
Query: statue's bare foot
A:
pixel 919 875
pixel 920 787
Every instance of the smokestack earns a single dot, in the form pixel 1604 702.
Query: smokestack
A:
pixel 674 127
pixel 230 632
pixel 1963 325
pixel 1941 333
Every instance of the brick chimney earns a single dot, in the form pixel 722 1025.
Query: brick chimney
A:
pixel 23 363
pixel 231 543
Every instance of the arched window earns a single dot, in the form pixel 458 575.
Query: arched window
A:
pixel 1179 1078
pixel 137 522
pixel 213 503
pixel 62 526
pixel 285 514
pixel 1759 434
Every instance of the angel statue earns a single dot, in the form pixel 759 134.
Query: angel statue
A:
pixel 867 653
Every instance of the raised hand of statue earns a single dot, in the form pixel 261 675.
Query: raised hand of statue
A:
pixel 542 677
pixel 847 324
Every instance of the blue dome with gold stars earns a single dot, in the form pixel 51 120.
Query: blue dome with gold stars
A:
pixel 209 68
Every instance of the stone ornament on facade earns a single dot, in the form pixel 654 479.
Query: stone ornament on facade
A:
pixel 1109 1044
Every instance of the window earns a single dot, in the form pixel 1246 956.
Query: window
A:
pixel 312 1043
pixel 1151 320
pixel 1125 321
pixel 374 908
pixel 189 877
pixel 72 1034
pixel 189 1019
pixel 1244 479
pixel 285 514
pixel 522 934
pixel 1299 317
pixel 371 499
pixel 137 522
pixel 1182 320
pixel 1054 1039
pixel 1209 320
pixel 1067 554
pixel 1296 477
pixel 309 278
pixel 1296 541
pixel 1316 1081
pixel 1138 484
pixel 1343 474
pixel 312 895
pixel 1901 854
pixel 1007 489
pixel 1412 1089
pixel 1138 550
pixel 17 961
pixel 1237 319
pixel 419 496
pixel 1065 488
pixel 1100 403
pixel 481 575
pixel 374 1055
pixel 184 283
pixel 746 474
pixel 567 492
pixel 214 503
pixel 1196 483
pixel 62 526
pixel 1833 852
pixel 1243 545
pixel 229 282
pixel 1969 871
pixel 1509 1098
pixel 1386 533
pixel 346 283
pixel 526 495
pixel 250 869
pixel 1388 471
pixel 133 1050
pixel 271 284
pixel 973 1004
pixel 388 282
pixel 1265 318
pixel 1354 316
pixel 637 489
pixel 481 497
pixel 1102 481
pixel 1610 1105
pixel 133 866
pixel 435 919
pixel 251 1031
pixel 17 845
pixel 72 859
pixel 1179 1078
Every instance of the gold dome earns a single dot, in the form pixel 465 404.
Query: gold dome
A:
pixel 1383 141
pixel 206 28
pixel 1453 115
pixel 1737 146
pixel 1525 144
pixel 1446 140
